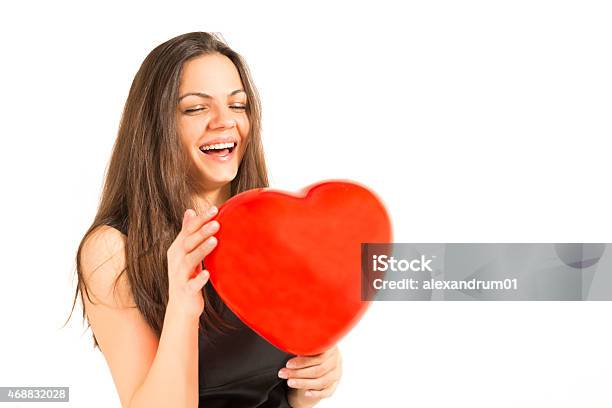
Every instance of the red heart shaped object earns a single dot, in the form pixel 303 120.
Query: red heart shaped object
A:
pixel 289 265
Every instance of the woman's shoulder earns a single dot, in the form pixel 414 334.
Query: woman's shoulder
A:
pixel 103 242
pixel 103 261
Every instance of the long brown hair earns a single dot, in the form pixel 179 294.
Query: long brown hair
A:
pixel 147 189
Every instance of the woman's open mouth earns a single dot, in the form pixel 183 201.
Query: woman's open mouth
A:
pixel 219 151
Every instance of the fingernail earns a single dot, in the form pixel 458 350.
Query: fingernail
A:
pixel 212 210
pixel 308 393
pixel 214 225
pixel 290 364
pixel 282 374
pixel 291 383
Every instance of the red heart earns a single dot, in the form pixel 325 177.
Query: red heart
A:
pixel 289 265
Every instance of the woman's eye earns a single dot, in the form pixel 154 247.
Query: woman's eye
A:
pixel 191 110
pixel 200 108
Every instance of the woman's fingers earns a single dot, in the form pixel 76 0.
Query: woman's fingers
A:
pixel 199 281
pixel 187 216
pixel 184 256
pixel 316 375
pixel 324 393
pixel 308 361
pixel 194 258
pixel 193 222
pixel 193 240
pixel 314 383
pixel 313 371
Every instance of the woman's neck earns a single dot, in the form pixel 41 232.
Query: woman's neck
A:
pixel 213 197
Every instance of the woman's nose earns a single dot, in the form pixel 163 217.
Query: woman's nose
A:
pixel 222 119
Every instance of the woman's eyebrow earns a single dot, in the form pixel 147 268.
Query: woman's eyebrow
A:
pixel 203 95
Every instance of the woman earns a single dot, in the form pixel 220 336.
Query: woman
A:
pixel 189 139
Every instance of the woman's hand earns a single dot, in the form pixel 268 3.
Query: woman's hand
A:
pixel 312 377
pixel 185 275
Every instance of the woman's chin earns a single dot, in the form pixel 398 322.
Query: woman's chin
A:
pixel 218 180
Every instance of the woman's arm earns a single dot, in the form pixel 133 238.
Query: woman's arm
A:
pixel 149 371
pixel 172 379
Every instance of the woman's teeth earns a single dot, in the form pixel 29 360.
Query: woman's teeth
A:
pixel 218 146
pixel 218 149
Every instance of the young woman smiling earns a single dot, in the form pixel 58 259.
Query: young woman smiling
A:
pixel 189 139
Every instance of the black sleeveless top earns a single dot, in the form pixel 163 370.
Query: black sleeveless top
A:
pixel 237 368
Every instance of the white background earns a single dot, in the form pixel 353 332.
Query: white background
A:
pixel 475 121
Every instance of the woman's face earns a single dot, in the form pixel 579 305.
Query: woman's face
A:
pixel 212 122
